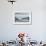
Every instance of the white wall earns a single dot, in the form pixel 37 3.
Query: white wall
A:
pixel 37 30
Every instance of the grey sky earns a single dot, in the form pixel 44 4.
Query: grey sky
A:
pixel 22 15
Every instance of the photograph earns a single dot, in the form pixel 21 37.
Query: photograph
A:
pixel 22 17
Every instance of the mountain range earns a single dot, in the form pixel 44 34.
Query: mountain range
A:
pixel 26 19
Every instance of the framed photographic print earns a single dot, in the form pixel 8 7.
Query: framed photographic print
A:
pixel 22 17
